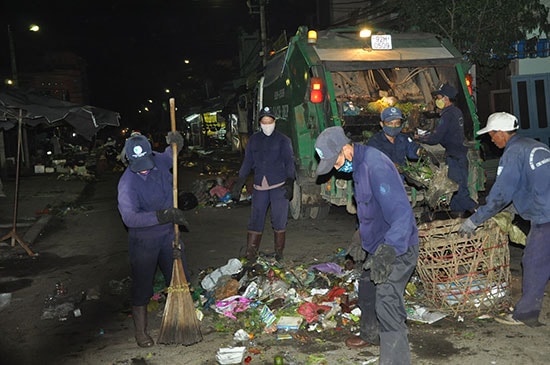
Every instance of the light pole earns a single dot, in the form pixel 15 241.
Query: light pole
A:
pixel 15 83
pixel 13 62
pixel 13 58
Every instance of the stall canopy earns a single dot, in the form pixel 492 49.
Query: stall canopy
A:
pixel 37 109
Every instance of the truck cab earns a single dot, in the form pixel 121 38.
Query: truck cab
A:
pixel 335 77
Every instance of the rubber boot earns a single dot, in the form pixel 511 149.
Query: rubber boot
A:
pixel 279 244
pixel 253 240
pixel 140 325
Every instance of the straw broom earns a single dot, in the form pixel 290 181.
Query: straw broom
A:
pixel 179 320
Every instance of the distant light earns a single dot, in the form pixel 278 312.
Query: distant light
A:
pixel 186 62
pixel 74 134
pixel 150 101
pixel 167 91
pixel 34 28
pixel 365 33
pixel 146 109
pixel 8 82
pixel 49 153
pixel 191 117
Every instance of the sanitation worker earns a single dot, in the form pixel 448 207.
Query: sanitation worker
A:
pixel 449 133
pixel 388 234
pixel 396 145
pixel 523 179
pixel 269 153
pixel 145 203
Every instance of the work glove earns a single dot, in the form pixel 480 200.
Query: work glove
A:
pixel 172 215
pixel 175 137
pixel 237 188
pixel 355 249
pixel 289 188
pixel 467 228
pixel 381 263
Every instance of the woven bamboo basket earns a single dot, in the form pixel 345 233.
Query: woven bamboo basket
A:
pixel 460 274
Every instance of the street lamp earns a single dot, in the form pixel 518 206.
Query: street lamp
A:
pixel 13 60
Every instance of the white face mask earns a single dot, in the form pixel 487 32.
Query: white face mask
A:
pixel 267 128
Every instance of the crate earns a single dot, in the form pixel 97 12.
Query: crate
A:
pixel 464 275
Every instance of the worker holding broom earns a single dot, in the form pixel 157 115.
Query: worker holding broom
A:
pixel 145 203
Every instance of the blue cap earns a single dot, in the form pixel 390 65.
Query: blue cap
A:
pixel 446 90
pixel 266 112
pixel 391 113
pixel 328 146
pixel 139 153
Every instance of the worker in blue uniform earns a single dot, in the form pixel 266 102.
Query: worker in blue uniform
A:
pixel 145 203
pixel 388 234
pixel 269 154
pixel 523 179
pixel 449 133
pixel 398 146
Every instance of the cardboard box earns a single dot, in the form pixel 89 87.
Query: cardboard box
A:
pixel 288 323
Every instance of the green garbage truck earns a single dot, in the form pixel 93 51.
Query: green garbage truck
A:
pixel 345 77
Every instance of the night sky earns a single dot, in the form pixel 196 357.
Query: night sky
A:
pixel 134 49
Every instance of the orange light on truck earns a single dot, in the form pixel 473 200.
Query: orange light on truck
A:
pixel 316 95
pixel 468 79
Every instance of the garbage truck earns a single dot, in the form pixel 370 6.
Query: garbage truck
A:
pixel 345 77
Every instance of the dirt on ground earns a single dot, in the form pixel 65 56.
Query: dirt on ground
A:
pixel 83 258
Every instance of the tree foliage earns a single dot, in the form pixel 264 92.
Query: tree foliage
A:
pixel 483 30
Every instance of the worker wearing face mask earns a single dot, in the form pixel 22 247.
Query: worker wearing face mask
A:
pixel 449 133
pixel 388 239
pixel 396 145
pixel 269 153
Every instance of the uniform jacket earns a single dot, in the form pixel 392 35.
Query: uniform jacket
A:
pixel 269 156
pixel 449 133
pixel 523 177
pixel 139 197
pixel 383 209
pixel 403 147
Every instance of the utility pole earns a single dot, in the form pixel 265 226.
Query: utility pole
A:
pixel 260 9
pixel 263 32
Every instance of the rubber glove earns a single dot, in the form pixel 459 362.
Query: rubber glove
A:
pixel 355 249
pixel 467 228
pixel 289 188
pixel 237 188
pixel 381 263
pixel 175 137
pixel 172 215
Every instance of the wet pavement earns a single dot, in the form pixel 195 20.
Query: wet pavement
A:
pixel 38 196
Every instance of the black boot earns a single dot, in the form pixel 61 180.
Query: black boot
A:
pixel 279 244
pixel 140 325
pixel 253 240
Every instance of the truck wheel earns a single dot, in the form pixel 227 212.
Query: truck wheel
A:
pixel 319 212
pixel 297 210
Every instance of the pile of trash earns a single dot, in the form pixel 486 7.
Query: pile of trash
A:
pixel 215 193
pixel 288 302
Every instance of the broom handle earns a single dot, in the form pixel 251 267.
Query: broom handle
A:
pixel 174 168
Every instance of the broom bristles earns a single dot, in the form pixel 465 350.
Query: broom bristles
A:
pixel 180 324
